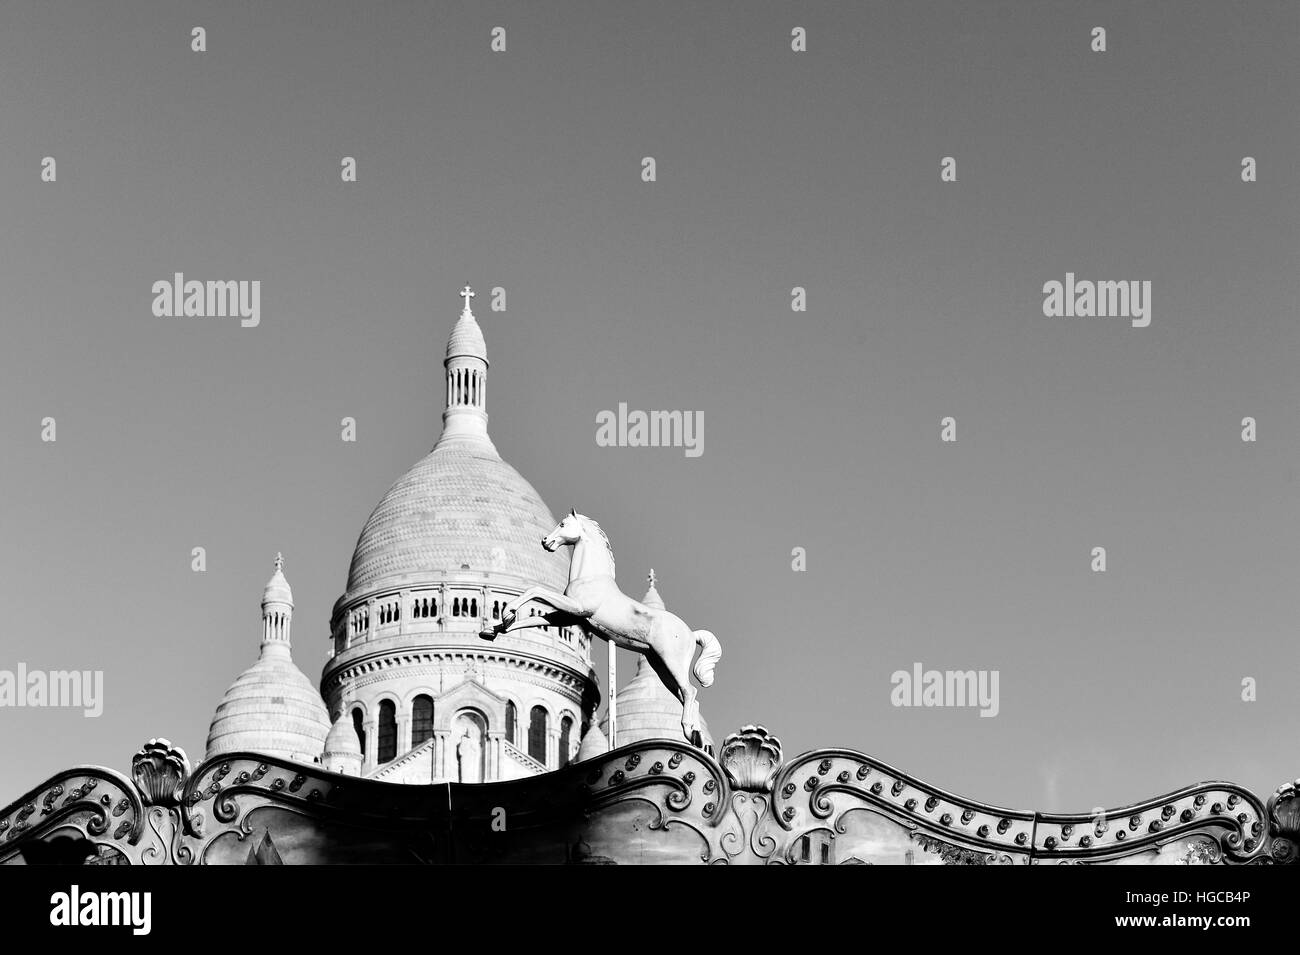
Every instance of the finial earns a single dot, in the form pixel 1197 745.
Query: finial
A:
pixel 651 576
pixel 467 293
pixel 279 562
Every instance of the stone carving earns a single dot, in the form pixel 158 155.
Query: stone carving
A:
pixel 469 758
pixel 593 601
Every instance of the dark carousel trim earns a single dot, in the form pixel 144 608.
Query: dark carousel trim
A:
pixel 652 801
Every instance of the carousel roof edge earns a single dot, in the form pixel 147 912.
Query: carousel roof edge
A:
pixel 650 801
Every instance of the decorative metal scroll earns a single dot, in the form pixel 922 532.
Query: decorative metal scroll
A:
pixel 653 801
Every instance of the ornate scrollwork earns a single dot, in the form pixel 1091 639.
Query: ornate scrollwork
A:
pixel 1219 814
pixel 99 804
pixel 747 807
pixel 1284 822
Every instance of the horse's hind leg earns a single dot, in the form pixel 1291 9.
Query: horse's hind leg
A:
pixel 691 716
pixel 680 686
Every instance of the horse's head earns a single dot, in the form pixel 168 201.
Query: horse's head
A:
pixel 568 531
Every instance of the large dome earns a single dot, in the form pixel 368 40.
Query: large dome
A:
pixel 459 505
pixel 452 542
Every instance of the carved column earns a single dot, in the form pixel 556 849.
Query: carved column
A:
pixel 371 726
pixel 403 732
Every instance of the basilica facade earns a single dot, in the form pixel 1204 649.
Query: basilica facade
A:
pixel 411 693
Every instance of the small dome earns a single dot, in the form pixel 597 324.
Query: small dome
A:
pixel 277 588
pixel 342 738
pixel 593 744
pixel 467 338
pixel 271 708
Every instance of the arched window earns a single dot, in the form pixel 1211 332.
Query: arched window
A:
pixel 361 732
pixel 566 738
pixel 455 607
pixel 387 731
pixel 496 610
pixel 537 727
pixel 512 717
pixel 473 607
pixel 421 719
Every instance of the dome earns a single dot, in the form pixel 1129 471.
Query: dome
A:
pixel 459 505
pixel 277 588
pixel 342 738
pixel 271 708
pixel 466 339
pixel 451 542
pixel 593 744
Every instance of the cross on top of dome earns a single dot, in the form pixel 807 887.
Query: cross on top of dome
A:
pixel 467 293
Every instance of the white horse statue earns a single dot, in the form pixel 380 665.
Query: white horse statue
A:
pixel 593 601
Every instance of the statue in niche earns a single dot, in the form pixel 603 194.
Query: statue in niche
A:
pixel 469 758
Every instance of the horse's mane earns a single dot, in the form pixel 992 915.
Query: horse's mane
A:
pixel 587 521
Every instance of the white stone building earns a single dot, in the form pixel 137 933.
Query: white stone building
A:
pixel 414 695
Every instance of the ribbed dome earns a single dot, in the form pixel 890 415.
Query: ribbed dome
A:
pixel 271 708
pixel 459 505
pixel 466 338
pixel 593 744
pixel 277 588
pixel 342 738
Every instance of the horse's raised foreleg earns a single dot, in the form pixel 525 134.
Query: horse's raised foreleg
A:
pixel 511 621
pixel 543 595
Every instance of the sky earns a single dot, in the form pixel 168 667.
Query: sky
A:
pixel 522 170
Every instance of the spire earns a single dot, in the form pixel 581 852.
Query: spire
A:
pixel 277 611
pixel 466 363
pixel 652 598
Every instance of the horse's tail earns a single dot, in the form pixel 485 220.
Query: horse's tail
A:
pixel 710 652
